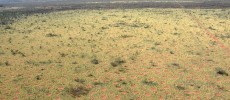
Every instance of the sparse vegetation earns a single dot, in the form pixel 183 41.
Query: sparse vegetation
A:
pixel 117 62
pixel 52 35
pixel 149 82
pixel 82 81
pixel 79 91
pixel 17 52
pixel 114 54
pixel 222 72
pixel 94 61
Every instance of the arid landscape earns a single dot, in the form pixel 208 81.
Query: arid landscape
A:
pixel 144 53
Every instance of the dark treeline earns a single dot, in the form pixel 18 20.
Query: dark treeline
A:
pixel 7 16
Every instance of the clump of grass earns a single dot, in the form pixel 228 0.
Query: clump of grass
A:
pixel 74 62
pixel 213 42
pixel 223 36
pixel 45 62
pixel 52 35
pixel 134 56
pixel 90 75
pixel 222 72
pixel 174 65
pixel 211 28
pixel 149 82
pixel 32 62
pixel 123 70
pixel 98 83
pixel 221 88
pixel 146 26
pixel 153 48
pixel 153 64
pixel 94 61
pixel 104 18
pixel 8 27
pixel 171 52
pixel 180 87
pixel 80 68
pixel 78 91
pixel 7 63
pixel 63 54
pixel 18 78
pixel 2 53
pixel 157 43
pixel 176 33
pixel 103 28
pixel 15 52
pixel 83 55
pixel 126 36
pixel 10 40
pixel 118 62
pixel 44 20
pixel 121 83
pixel 82 81
pixel 38 77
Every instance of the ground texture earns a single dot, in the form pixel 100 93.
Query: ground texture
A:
pixel 117 54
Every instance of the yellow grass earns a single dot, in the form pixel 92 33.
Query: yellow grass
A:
pixel 141 54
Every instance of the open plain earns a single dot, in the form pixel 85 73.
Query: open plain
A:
pixel 116 54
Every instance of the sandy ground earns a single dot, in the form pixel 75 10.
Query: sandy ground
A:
pixel 117 54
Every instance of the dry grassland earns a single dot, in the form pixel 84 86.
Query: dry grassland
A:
pixel 116 54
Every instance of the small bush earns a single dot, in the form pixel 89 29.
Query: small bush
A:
pixel 82 81
pixel 79 91
pixel 52 35
pixel 126 36
pixel 8 27
pixel 117 62
pixel 94 61
pixel 150 83
pixel 15 52
pixel 222 72
pixel 98 83
pixel 180 87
